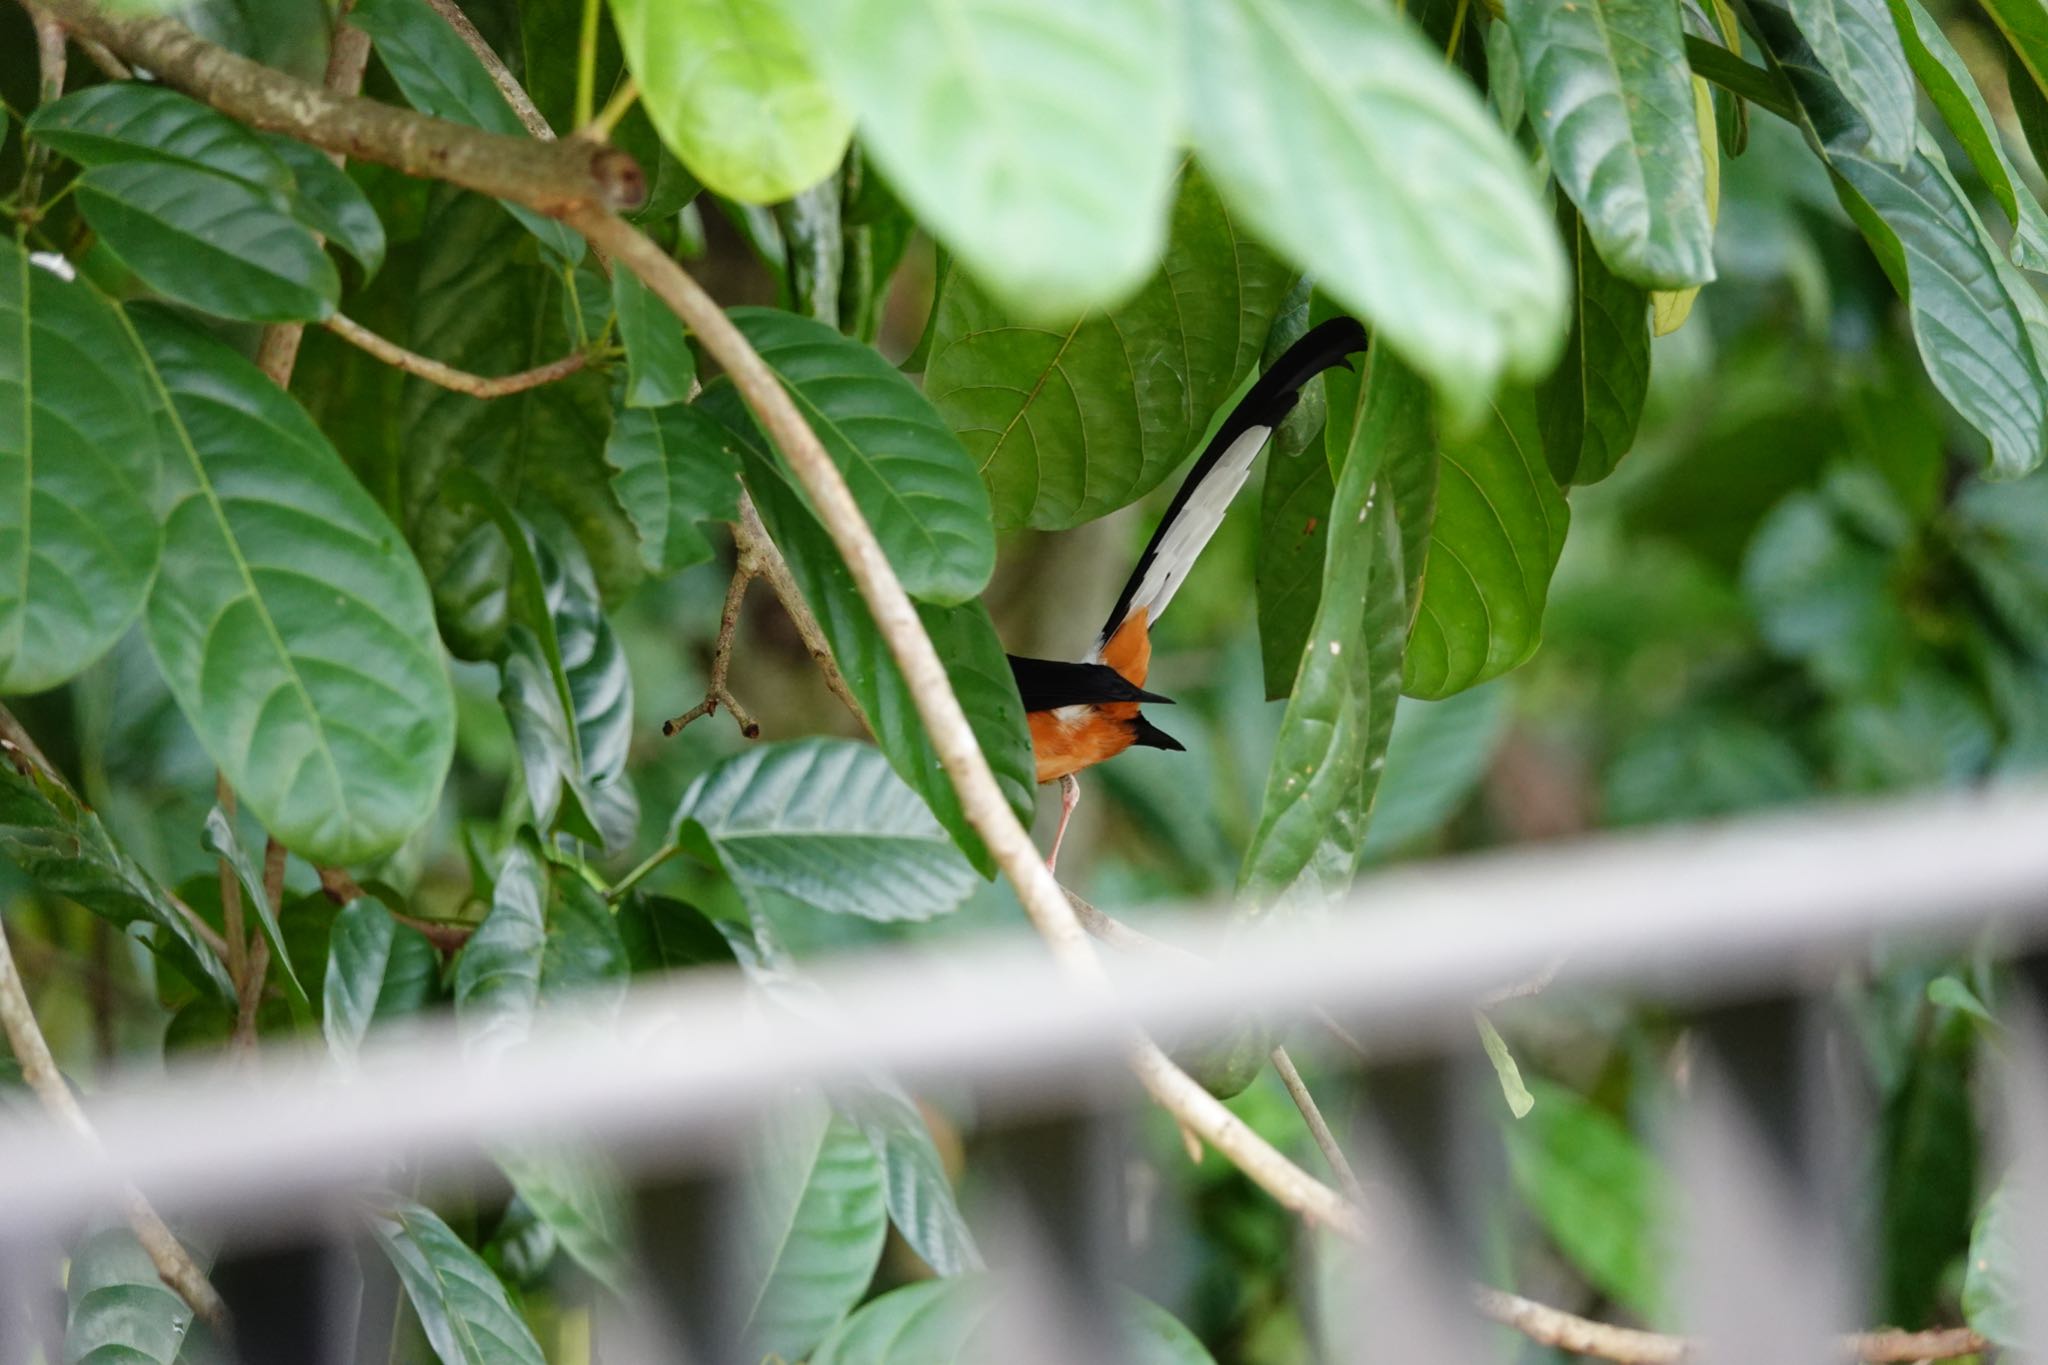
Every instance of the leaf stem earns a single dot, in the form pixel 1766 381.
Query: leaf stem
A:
pixel 638 874
pixel 447 376
pixel 586 64
pixel 599 129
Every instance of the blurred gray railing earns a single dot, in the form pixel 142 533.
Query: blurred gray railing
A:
pixel 1744 926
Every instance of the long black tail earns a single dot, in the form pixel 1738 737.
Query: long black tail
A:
pixel 1197 509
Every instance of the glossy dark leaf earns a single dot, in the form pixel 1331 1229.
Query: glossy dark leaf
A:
pixel 219 838
pixel 1500 525
pixel 660 367
pixel 814 1232
pixel 826 822
pixel 955 1322
pixel 674 468
pixel 584 962
pixel 1069 423
pixel 78 473
pixel 1294 529
pixel 376 968
pixel 581 1199
pixel 287 618
pixel 915 1185
pixel 118 1310
pixel 1592 402
pixel 220 245
pixel 908 472
pixel 130 121
pixel 461 1305
pixel 1610 96
pixel 439 75
pixel 1339 136
pixel 663 934
pixel 330 203
pixel 497 974
pixel 1855 44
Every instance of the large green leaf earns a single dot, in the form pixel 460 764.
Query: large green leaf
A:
pixel 1069 423
pixel 128 120
pixel 1437 755
pixel 287 617
pixel 1598 1192
pixel 120 1312
pixel 497 975
pixel 331 203
pixel 816 1225
pixel 376 968
pixel 674 467
pixel 1333 736
pixel 220 245
pixel 660 368
pixel 1051 200
pixel 439 75
pixel 954 1322
pixel 964 636
pixel 61 844
pixel 1970 328
pixel 581 1199
pixel 915 1185
pixel 1592 402
pixel 1856 46
pixel 827 822
pixel 460 1302
pixel 1610 95
pixel 908 472
pixel 1340 137
pixel 732 93
pixel 78 472
pixel 1500 525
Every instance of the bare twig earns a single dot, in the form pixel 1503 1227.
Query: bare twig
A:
pixel 49 88
pixel 717 694
pixel 1318 1128
pixel 750 540
pixel 231 894
pixel 448 936
pixel 508 85
pixel 1569 1332
pixel 249 995
pixel 447 376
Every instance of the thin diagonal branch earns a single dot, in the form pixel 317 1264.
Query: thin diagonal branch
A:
pixel 447 376
pixel 718 694
pixel 501 76
pixel 750 540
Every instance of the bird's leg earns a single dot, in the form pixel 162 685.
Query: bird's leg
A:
pixel 1070 797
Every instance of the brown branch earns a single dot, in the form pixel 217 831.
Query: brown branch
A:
pixel 750 540
pixel 717 694
pixel 446 935
pixel 508 85
pixel 447 376
pixel 1568 1332
pixel 1318 1128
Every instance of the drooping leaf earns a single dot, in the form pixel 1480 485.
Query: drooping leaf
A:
pixel 955 1322
pixel 439 75
pixel 330 203
pixel 1513 1089
pixel 1970 328
pixel 964 637
pixel 217 244
pixel 661 934
pixel 579 1197
pixel 461 1304
pixel 287 617
pixel 78 473
pixel 132 121
pixel 915 1185
pixel 1856 46
pixel 674 467
pixel 1997 1298
pixel 1592 402
pixel 120 1312
pixel 827 822
pixel 219 838
pixel 908 472
pixel 1294 530
pixel 1340 137
pixel 816 1224
pixel 660 367
pixel 733 94
pixel 497 975
pixel 1333 736
pixel 1436 757
pixel 1500 524
pixel 61 845
pixel 1055 203
pixel 1609 95
pixel 1598 1192
pixel 376 968
pixel 1070 423
pixel 1669 308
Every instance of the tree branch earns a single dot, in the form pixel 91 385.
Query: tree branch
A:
pixel 718 694
pixel 501 76
pixel 1626 1345
pixel 750 540
pixel 447 376
pixel 446 935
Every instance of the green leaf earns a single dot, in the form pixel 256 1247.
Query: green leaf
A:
pixel 78 466
pixel 120 1312
pixel 1669 308
pixel 1294 531
pixel 330 203
pixel 815 1231
pixel 287 617
pixel 1823 595
pixel 1070 423
pixel 1342 139
pixel 915 1185
pixel 1970 328
pixel 497 974
pixel 953 1322
pixel 1333 735
pixel 217 244
pixel 2025 26
pixel 732 93
pixel 1856 46
pixel 219 838
pixel 439 75
pixel 1951 992
pixel 460 1303
pixel 1592 402
pixel 585 958
pixel 964 636
pixel 376 968
pixel 827 822
pixel 1928 1151
pixel 662 934
pixel 908 472
pixel 1512 1088
pixel 1500 524
pixel 62 846
pixel 1700 765
pixel 660 367
pixel 130 121
pixel 1610 96
pixel 1053 202
pixel 1997 1299
pixel 674 467
pixel 1598 1192
pixel 581 1199
pixel 1438 754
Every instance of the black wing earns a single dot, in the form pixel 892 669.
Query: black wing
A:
pixel 1048 683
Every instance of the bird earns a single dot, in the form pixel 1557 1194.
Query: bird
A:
pixel 1083 712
